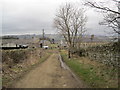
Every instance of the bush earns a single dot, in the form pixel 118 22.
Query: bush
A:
pixel 80 52
pixel 14 56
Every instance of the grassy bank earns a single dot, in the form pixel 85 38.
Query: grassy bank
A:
pixel 94 74
pixel 14 73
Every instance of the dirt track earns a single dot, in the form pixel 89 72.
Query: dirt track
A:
pixel 49 74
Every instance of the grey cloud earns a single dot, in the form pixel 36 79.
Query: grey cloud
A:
pixel 31 16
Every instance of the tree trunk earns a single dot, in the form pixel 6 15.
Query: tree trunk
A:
pixel 69 56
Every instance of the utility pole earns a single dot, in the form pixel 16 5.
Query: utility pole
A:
pixel 43 37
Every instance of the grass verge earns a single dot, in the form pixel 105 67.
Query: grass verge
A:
pixel 94 74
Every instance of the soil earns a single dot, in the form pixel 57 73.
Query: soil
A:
pixel 49 74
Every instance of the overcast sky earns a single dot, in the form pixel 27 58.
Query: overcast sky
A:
pixel 31 16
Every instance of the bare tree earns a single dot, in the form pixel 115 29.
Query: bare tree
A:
pixel 111 16
pixel 70 21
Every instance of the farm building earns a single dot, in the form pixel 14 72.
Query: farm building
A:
pixel 12 46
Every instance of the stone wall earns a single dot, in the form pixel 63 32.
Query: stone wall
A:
pixel 107 54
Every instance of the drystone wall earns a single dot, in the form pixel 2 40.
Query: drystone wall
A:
pixel 107 54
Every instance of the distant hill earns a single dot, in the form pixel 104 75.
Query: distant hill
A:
pixel 58 38
pixel 9 37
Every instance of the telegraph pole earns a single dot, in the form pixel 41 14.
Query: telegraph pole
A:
pixel 43 37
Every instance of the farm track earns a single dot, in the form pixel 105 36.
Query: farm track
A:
pixel 49 74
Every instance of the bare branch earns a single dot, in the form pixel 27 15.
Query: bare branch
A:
pixel 70 21
pixel 94 5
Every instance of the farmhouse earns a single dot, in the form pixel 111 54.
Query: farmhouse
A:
pixel 12 46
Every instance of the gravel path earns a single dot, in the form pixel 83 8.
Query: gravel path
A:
pixel 49 74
